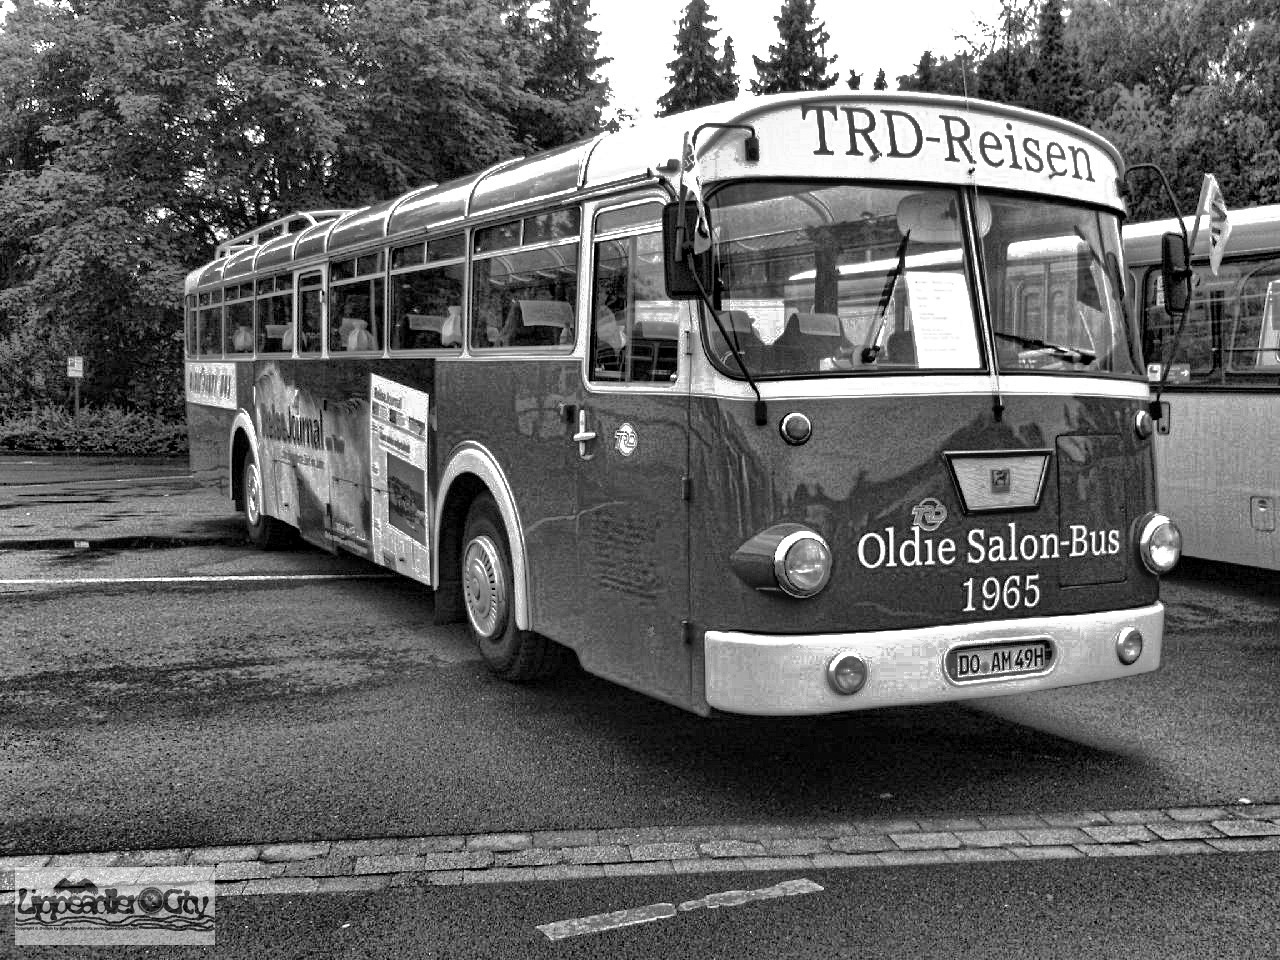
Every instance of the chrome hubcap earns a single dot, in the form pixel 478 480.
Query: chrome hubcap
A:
pixel 252 492
pixel 484 587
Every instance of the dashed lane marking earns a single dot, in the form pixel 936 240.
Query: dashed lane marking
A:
pixel 206 578
pixel 342 866
pixel 563 929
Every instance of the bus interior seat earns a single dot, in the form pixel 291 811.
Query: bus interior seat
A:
pixel 654 349
pixel 451 329
pixel 741 329
pixel 609 344
pixel 538 323
pixel 901 348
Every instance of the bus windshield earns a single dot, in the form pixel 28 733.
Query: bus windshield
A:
pixel 1055 288
pixel 841 278
pixel 852 278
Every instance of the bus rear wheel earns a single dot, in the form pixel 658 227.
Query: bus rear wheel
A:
pixel 264 532
pixel 488 594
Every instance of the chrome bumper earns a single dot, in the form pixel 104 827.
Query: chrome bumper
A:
pixel 787 675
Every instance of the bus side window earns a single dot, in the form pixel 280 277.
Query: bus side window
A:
pixel 426 308
pixel 525 298
pixel 1198 359
pixel 1255 334
pixel 635 332
pixel 310 315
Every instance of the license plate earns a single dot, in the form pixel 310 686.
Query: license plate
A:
pixel 990 661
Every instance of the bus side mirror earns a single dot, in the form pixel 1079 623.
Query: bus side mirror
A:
pixel 1175 272
pixel 683 268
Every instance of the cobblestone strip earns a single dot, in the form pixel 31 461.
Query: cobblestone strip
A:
pixel 361 865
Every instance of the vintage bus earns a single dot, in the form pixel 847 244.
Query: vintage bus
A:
pixel 838 456
pixel 1218 459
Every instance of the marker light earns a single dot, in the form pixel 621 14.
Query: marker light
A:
pixel 802 563
pixel 1129 645
pixel 795 429
pixel 1159 543
pixel 846 673
pixel 1143 425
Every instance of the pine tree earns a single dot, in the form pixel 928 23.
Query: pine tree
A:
pixel 798 62
pixel 1056 84
pixel 728 67
pixel 698 77
pixel 567 96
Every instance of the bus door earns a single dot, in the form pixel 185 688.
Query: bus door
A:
pixel 291 416
pixel 630 432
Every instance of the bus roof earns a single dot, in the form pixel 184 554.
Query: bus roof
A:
pixel 652 149
pixel 1253 230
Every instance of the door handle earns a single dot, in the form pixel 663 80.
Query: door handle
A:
pixel 583 436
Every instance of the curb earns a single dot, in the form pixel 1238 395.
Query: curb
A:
pixel 519 857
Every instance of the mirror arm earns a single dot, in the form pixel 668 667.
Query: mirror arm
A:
pixel 1184 272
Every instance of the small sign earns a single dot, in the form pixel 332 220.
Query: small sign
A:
pixel 75 367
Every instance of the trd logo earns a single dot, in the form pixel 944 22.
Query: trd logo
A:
pixel 929 514
pixel 1000 481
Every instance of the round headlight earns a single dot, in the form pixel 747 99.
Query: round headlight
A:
pixel 1159 543
pixel 802 563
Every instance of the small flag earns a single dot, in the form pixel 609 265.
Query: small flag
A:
pixel 1213 204
pixel 691 180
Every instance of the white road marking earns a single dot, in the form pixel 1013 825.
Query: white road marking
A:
pixel 562 929
pixel 211 578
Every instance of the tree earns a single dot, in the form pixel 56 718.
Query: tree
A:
pixel 798 62
pixel 568 94
pixel 134 134
pixel 1191 85
pixel 922 80
pixel 698 76
pixel 1055 85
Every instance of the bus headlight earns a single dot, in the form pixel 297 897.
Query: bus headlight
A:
pixel 787 557
pixel 1159 543
pixel 802 563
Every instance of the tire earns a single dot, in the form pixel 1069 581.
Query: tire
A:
pixel 264 532
pixel 488 597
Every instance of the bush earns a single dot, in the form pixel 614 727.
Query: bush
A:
pixel 94 430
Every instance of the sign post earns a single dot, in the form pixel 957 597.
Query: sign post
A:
pixel 75 372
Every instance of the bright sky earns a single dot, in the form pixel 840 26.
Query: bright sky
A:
pixel 641 38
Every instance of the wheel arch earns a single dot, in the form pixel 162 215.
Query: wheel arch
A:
pixel 472 469
pixel 243 437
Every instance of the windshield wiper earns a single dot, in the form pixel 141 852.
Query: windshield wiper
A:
pixel 1074 354
pixel 870 352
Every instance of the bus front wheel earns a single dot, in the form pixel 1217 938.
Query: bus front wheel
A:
pixel 488 595
pixel 264 532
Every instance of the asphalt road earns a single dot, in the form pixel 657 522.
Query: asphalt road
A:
pixel 318 703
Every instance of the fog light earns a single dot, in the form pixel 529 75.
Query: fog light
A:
pixel 802 563
pixel 1129 645
pixel 846 673
pixel 1159 543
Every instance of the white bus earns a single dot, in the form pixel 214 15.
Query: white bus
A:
pixel 1218 459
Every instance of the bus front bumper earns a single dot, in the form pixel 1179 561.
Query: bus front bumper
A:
pixel 775 675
